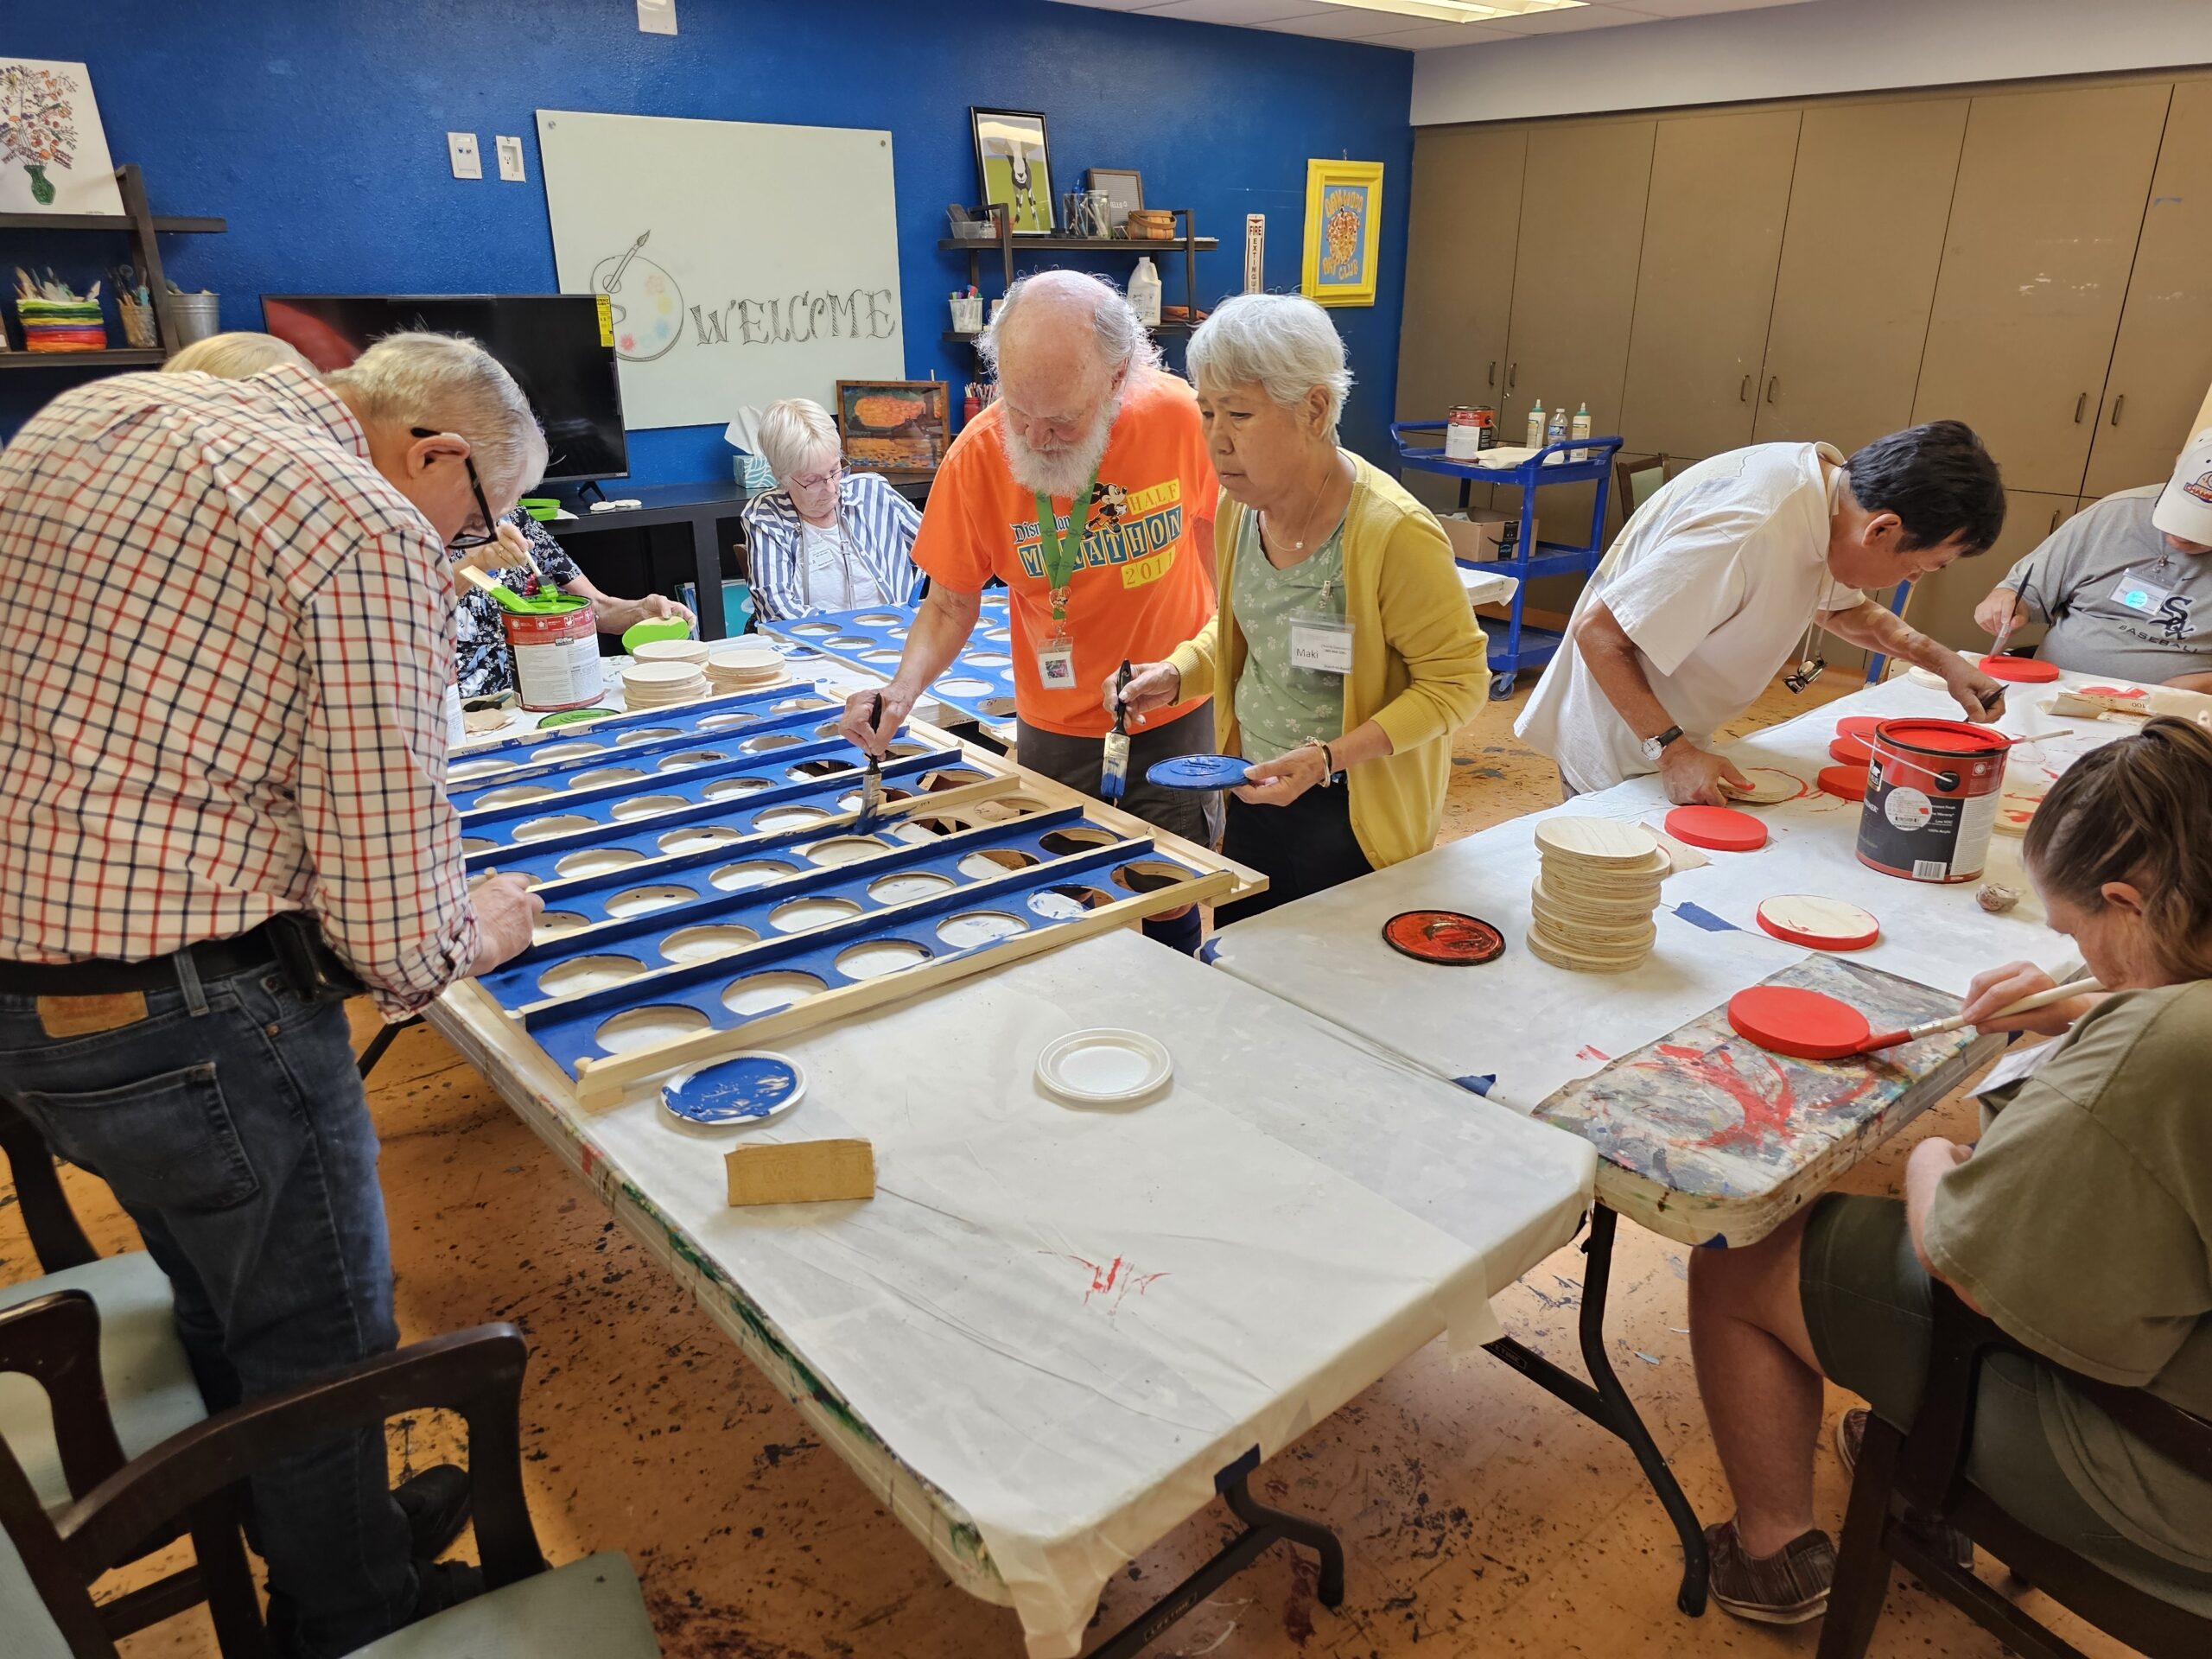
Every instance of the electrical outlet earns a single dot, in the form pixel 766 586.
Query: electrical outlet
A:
pixel 461 148
pixel 509 149
pixel 657 17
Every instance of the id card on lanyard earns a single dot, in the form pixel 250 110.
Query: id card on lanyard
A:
pixel 1061 555
pixel 1320 640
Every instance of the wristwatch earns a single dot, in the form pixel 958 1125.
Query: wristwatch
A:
pixel 1656 747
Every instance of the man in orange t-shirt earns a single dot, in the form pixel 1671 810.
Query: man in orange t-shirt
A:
pixel 1083 411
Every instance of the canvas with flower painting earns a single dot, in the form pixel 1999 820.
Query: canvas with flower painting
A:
pixel 1344 230
pixel 53 154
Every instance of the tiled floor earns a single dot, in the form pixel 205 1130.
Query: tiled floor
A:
pixel 1480 1515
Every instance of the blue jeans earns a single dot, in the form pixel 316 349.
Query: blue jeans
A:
pixel 230 1123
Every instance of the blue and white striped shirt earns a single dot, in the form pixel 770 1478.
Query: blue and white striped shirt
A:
pixel 877 521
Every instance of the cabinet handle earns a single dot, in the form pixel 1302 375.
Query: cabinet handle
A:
pixel 2118 404
pixel 2054 520
pixel 1493 372
pixel 2081 404
pixel 1773 380
pixel 1512 376
pixel 1743 391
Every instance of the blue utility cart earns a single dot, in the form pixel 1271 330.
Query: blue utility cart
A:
pixel 1525 645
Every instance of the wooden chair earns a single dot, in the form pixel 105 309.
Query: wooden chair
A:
pixel 1637 477
pixel 1924 1471
pixel 590 1609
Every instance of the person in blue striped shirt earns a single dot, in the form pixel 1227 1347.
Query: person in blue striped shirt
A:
pixel 824 538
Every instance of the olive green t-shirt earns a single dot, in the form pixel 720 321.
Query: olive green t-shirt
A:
pixel 1279 707
pixel 2083 1224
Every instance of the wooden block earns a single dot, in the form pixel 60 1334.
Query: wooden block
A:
pixel 801 1172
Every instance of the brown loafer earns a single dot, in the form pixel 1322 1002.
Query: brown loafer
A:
pixel 1787 1587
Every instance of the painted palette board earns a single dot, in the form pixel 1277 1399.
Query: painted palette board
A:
pixel 1706 1136
pixel 979 683
pixel 691 932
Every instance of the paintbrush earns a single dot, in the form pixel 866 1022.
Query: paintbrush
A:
pixel 872 783
pixel 1936 1028
pixel 499 590
pixel 1114 763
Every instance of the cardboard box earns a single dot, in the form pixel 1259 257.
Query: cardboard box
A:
pixel 1483 537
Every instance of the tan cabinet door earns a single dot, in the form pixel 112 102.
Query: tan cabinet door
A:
pixel 1858 261
pixel 1712 237
pixel 2044 226
pixel 2163 359
pixel 1942 604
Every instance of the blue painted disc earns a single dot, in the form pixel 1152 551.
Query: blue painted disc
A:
pixel 736 1093
pixel 1197 772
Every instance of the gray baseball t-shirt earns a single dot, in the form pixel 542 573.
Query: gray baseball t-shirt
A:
pixel 2117 601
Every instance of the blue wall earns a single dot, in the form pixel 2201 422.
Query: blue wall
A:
pixel 318 130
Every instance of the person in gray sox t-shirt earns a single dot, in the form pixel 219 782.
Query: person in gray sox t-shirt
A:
pixel 2125 585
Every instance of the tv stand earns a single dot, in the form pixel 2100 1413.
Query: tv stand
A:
pixel 591 492
pixel 710 510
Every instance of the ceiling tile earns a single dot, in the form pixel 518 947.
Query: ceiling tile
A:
pixel 1349 23
pixel 1109 5
pixel 1576 17
pixel 1246 13
pixel 1701 8
pixel 1435 35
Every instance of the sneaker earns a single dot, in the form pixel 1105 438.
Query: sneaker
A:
pixel 1787 1587
pixel 1850 1435
pixel 436 1503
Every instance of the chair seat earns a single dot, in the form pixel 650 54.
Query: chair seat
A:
pixel 150 1392
pixel 590 1609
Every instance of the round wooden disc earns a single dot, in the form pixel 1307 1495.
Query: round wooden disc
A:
pixel 1593 906
pixel 1575 870
pixel 2020 671
pixel 1858 726
pixel 1819 924
pixel 1603 842
pixel 1770 785
pixel 1718 829
pixel 1446 937
pixel 1845 783
pixel 1569 920
pixel 1805 1024
pixel 1850 751
pixel 1577 964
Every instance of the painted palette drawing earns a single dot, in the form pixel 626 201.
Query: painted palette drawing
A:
pixel 1704 1121
pixel 979 683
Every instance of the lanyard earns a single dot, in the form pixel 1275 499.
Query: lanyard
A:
pixel 1062 556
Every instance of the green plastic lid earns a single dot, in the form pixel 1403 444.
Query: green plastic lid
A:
pixel 660 627
pixel 573 716
pixel 553 604
pixel 540 507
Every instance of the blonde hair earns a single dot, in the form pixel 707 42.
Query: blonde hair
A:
pixel 790 431
pixel 452 385
pixel 235 355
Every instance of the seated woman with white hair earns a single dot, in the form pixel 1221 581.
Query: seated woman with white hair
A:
pixel 824 539
pixel 1343 647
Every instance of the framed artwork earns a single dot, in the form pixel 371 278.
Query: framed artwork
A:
pixel 1344 229
pixel 894 426
pixel 1013 169
pixel 53 154
pixel 1124 189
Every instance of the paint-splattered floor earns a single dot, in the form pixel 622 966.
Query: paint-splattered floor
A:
pixel 1479 1514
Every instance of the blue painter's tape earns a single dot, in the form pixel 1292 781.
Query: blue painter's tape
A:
pixel 1481 1085
pixel 1699 916
pixel 1718 1242
pixel 1209 950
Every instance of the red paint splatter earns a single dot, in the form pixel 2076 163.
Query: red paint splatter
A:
pixel 1586 1053
pixel 590 1162
pixel 1767 1102
pixel 2112 691
pixel 1115 1279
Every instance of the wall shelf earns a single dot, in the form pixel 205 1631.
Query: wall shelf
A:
pixel 133 358
pixel 1006 244
pixel 140 224
pixel 167 225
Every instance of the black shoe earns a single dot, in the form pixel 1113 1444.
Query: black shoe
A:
pixel 436 1503
pixel 1850 1437
pixel 441 1585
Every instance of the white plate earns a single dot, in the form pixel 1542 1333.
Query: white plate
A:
pixel 1103 1067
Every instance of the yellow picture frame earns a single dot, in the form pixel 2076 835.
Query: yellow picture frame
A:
pixel 1343 231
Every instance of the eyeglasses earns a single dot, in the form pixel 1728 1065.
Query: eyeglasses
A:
pixel 491 519
pixel 816 481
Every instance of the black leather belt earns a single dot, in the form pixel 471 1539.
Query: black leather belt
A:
pixel 100 977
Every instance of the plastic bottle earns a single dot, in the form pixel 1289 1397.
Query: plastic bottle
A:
pixel 1536 425
pixel 1144 293
pixel 1581 430
pixel 1556 434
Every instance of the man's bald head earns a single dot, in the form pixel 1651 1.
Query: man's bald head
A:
pixel 1063 346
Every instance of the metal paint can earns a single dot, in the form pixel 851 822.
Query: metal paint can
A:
pixel 1932 790
pixel 1468 430
pixel 556 654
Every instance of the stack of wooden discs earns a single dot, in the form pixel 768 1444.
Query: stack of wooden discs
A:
pixel 693 651
pixel 1593 897
pixel 648 685
pixel 745 665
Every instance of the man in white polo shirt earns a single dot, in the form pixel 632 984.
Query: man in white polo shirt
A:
pixel 1713 584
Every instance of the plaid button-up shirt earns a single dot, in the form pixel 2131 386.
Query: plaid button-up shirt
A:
pixel 222 684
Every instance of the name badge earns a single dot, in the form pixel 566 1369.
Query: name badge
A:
pixel 2139 594
pixel 1322 644
pixel 1056 666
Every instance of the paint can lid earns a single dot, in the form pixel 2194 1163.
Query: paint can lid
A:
pixel 1197 772
pixel 1941 737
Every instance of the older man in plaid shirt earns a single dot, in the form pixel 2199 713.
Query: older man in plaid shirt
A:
pixel 222 750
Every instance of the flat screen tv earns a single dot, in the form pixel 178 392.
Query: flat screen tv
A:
pixel 550 342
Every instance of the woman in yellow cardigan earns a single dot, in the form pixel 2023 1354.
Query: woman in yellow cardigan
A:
pixel 1343 655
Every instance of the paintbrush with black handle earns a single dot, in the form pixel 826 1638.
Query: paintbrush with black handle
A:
pixel 1114 765
pixel 872 784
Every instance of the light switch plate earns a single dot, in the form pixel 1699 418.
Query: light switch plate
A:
pixel 657 17
pixel 509 149
pixel 467 161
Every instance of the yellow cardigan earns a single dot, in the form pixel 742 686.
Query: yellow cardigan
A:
pixel 1419 666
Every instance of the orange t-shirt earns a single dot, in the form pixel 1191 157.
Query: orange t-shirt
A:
pixel 1142 587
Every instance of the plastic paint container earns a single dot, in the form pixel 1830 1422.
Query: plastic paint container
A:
pixel 1932 790
pixel 556 654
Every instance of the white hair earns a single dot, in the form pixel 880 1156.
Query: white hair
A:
pixel 1122 339
pixel 792 431
pixel 450 384
pixel 235 355
pixel 1283 343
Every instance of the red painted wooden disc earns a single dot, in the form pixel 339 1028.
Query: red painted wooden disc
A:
pixel 1848 783
pixel 1818 924
pixel 2114 691
pixel 1449 937
pixel 1805 1024
pixel 1858 726
pixel 2021 670
pixel 1722 828
pixel 1850 751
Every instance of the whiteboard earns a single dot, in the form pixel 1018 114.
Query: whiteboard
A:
pixel 743 262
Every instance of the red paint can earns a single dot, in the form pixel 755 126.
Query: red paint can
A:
pixel 556 654
pixel 1468 430
pixel 1932 789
